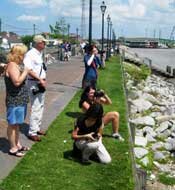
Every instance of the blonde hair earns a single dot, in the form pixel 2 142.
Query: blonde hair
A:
pixel 16 53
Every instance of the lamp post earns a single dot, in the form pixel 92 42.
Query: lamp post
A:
pixel 103 9
pixel 90 22
pixel 77 34
pixel 107 53
pixel 110 37
pixel 68 27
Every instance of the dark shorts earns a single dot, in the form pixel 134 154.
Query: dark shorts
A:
pixel 16 114
pixel 86 82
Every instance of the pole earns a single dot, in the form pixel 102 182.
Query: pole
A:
pixel 68 27
pixel 107 53
pixel 110 38
pixel 77 34
pixel 90 22
pixel 102 45
pixel 34 29
pixel 0 25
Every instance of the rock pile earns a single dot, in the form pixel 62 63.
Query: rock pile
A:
pixel 152 117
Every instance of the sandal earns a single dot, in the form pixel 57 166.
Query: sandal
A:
pixel 23 148
pixel 16 153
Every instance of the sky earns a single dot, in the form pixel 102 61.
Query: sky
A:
pixel 130 18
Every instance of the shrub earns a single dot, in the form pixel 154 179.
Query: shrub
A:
pixel 137 73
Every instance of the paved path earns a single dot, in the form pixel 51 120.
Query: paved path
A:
pixel 64 79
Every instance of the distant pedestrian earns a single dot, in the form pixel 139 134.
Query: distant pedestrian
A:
pixel 88 135
pixel 16 97
pixel 37 84
pixel 91 61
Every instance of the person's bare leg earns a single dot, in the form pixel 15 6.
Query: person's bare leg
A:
pixel 114 118
pixel 11 134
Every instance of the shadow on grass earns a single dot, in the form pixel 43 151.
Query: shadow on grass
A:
pixel 107 136
pixel 70 155
pixel 74 114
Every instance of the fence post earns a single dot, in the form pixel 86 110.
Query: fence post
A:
pixel 150 63
pixel 168 69
pixel 173 72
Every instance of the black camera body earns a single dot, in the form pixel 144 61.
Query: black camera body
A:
pixel 39 89
pixel 99 93
pixel 95 136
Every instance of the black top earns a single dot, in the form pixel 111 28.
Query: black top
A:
pixel 16 95
pixel 83 129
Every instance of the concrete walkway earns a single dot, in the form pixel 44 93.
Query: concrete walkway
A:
pixel 63 81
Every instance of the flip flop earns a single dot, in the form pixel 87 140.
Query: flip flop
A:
pixel 16 153
pixel 23 148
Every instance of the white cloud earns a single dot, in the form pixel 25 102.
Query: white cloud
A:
pixel 139 10
pixel 30 18
pixel 31 3
pixel 162 3
pixel 65 8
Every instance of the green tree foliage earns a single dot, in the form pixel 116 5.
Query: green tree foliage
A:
pixel 59 28
pixel 27 40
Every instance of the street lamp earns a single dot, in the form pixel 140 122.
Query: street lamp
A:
pixel 68 27
pixel 103 9
pixel 108 21
pixel 77 34
pixel 110 24
pixel 90 22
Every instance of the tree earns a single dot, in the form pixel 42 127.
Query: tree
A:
pixel 27 40
pixel 59 28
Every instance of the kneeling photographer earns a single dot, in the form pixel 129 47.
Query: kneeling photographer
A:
pixel 92 96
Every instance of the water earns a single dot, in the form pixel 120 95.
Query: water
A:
pixel 160 57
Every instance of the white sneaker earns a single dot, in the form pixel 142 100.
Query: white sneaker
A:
pixel 118 136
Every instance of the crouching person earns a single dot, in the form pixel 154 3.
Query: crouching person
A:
pixel 88 135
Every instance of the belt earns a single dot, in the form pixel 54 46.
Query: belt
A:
pixel 35 79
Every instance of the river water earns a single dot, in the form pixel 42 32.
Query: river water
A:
pixel 160 57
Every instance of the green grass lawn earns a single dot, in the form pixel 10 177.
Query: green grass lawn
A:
pixel 49 164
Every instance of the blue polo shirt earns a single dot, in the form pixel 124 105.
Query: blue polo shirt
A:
pixel 91 71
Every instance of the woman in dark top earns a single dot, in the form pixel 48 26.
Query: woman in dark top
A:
pixel 90 96
pixel 88 135
pixel 16 98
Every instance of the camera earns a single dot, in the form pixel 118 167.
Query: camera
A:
pixel 95 136
pixel 99 93
pixel 38 89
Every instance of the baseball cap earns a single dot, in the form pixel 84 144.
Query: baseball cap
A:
pixel 39 38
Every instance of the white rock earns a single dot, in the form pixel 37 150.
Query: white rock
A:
pixel 168 146
pixel 145 161
pixel 150 98
pixel 147 120
pixel 149 130
pixel 155 114
pixel 140 152
pixel 141 104
pixel 150 138
pixel 159 155
pixel 141 141
pixel 157 145
pixel 163 118
pixel 165 134
pixel 163 126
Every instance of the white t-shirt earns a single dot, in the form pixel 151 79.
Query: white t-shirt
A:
pixel 34 60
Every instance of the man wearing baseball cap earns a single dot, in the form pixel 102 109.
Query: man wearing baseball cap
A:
pixel 37 85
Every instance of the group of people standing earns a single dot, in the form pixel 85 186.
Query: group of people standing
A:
pixel 88 130
pixel 25 80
